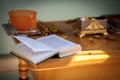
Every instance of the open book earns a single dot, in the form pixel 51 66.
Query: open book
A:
pixel 43 48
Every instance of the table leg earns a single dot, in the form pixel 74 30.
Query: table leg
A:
pixel 23 69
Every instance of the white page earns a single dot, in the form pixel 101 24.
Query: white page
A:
pixel 26 53
pixel 57 43
pixel 33 44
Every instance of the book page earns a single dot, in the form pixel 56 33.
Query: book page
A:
pixel 33 44
pixel 24 52
pixel 57 42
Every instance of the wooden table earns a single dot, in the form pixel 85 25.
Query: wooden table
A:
pixel 99 60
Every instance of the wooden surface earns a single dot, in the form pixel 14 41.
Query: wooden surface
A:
pixel 99 60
